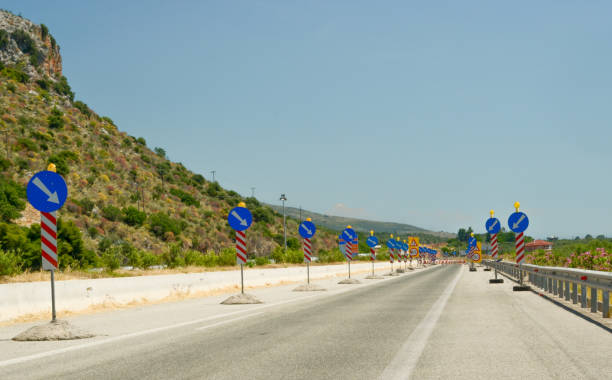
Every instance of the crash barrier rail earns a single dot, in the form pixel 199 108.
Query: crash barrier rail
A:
pixel 564 283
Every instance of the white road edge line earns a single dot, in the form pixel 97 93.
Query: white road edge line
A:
pixel 406 359
pixel 45 354
pixel 228 321
pixel 40 355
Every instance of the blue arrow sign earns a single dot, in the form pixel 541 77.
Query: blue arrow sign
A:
pixel 518 222
pixel 47 191
pixel 372 241
pixel 307 229
pixel 391 243
pixel 349 234
pixel 471 242
pixel 493 225
pixel 240 218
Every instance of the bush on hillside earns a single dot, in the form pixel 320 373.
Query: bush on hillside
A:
pixel 185 197
pixel 63 88
pixel 12 199
pixel 111 213
pixel 82 107
pixel 10 263
pixel 160 224
pixel 133 217
pixel 55 119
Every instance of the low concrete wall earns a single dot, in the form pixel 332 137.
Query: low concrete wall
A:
pixel 22 299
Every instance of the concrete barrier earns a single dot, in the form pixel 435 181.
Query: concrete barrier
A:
pixel 22 299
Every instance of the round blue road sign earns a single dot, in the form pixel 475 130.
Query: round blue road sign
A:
pixel 472 242
pixel 372 241
pixel 493 225
pixel 349 234
pixel 307 229
pixel 391 243
pixel 240 218
pixel 47 191
pixel 518 222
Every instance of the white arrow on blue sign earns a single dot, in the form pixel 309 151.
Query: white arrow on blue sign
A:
pixel 391 243
pixel 493 225
pixel 518 222
pixel 372 241
pixel 349 234
pixel 307 229
pixel 47 191
pixel 240 218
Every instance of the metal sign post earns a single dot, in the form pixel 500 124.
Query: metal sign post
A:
pixel 518 223
pixel 47 192
pixel 240 219
pixel 372 242
pixel 493 226
pixel 307 230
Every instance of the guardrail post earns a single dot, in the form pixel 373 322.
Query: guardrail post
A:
pixel 593 300
pixel 544 283
pixel 555 287
pixel 605 306
pixel 574 293
pixel 550 285
pixel 567 290
pixel 583 296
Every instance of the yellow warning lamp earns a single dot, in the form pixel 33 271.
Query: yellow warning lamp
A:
pixel 472 234
pixel 391 236
pixel 349 227
pixel 516 206
pixel 242 204
pixel 397 238
pixel 52 168
pixel 371 232
pixel 309 219
pixel 492 213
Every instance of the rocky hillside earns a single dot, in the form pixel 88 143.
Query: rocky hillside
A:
pixel 120 190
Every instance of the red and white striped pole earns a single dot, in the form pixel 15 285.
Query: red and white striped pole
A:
pixel 307 258
pixel 241 255
pixel 48 250
pixel 494 246
pixel 519 243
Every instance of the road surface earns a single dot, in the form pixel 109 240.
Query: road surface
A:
pixel 441 322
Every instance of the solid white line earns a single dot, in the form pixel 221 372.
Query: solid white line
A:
pixel 227 321
pixel 140 333
pixel 406 359
pixel 40 355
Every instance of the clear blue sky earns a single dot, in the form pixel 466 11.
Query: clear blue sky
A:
pixel 429 113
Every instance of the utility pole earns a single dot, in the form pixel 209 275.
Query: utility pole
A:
pixel 252 192
pixel 284 198
pixel 300 213
pixel 213 174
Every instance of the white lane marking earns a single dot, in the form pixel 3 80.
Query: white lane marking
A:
pixel 406 359
pixel 228 321
pixel 40 355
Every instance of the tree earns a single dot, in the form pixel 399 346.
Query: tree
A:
pixel 55 119
pixel 160 152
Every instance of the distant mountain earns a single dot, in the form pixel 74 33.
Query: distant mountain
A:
pixel 337 223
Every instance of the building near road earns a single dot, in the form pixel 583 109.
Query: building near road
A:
pixel 539 244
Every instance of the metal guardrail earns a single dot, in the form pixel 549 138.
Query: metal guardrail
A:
pixel 564 282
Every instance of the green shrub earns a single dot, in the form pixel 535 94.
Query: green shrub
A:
pixel 330 256
pixel 4 164
pixel 112 258
pixel 27 144
pixel 141 141
pixel 133 217
pixel 160 224
pixel 55 119
pixel 198 178
pixel 10 263
pixel 210 259
pixel 262 260
pixel 61 160
pixel 111 213
pixel 227 257
pixel 186 198
pixel 174 256
pixel 44 84
pixel 12 199
pixel 213 189
pixel 70 244
pixel 44 31
pixel 149 259
pixel 16 75
pixel 82 107
pixel 4 39
pixel 63 88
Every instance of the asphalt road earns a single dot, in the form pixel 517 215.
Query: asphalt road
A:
pixel 443 322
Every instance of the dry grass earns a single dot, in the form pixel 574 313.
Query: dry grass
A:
pixel 84 275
